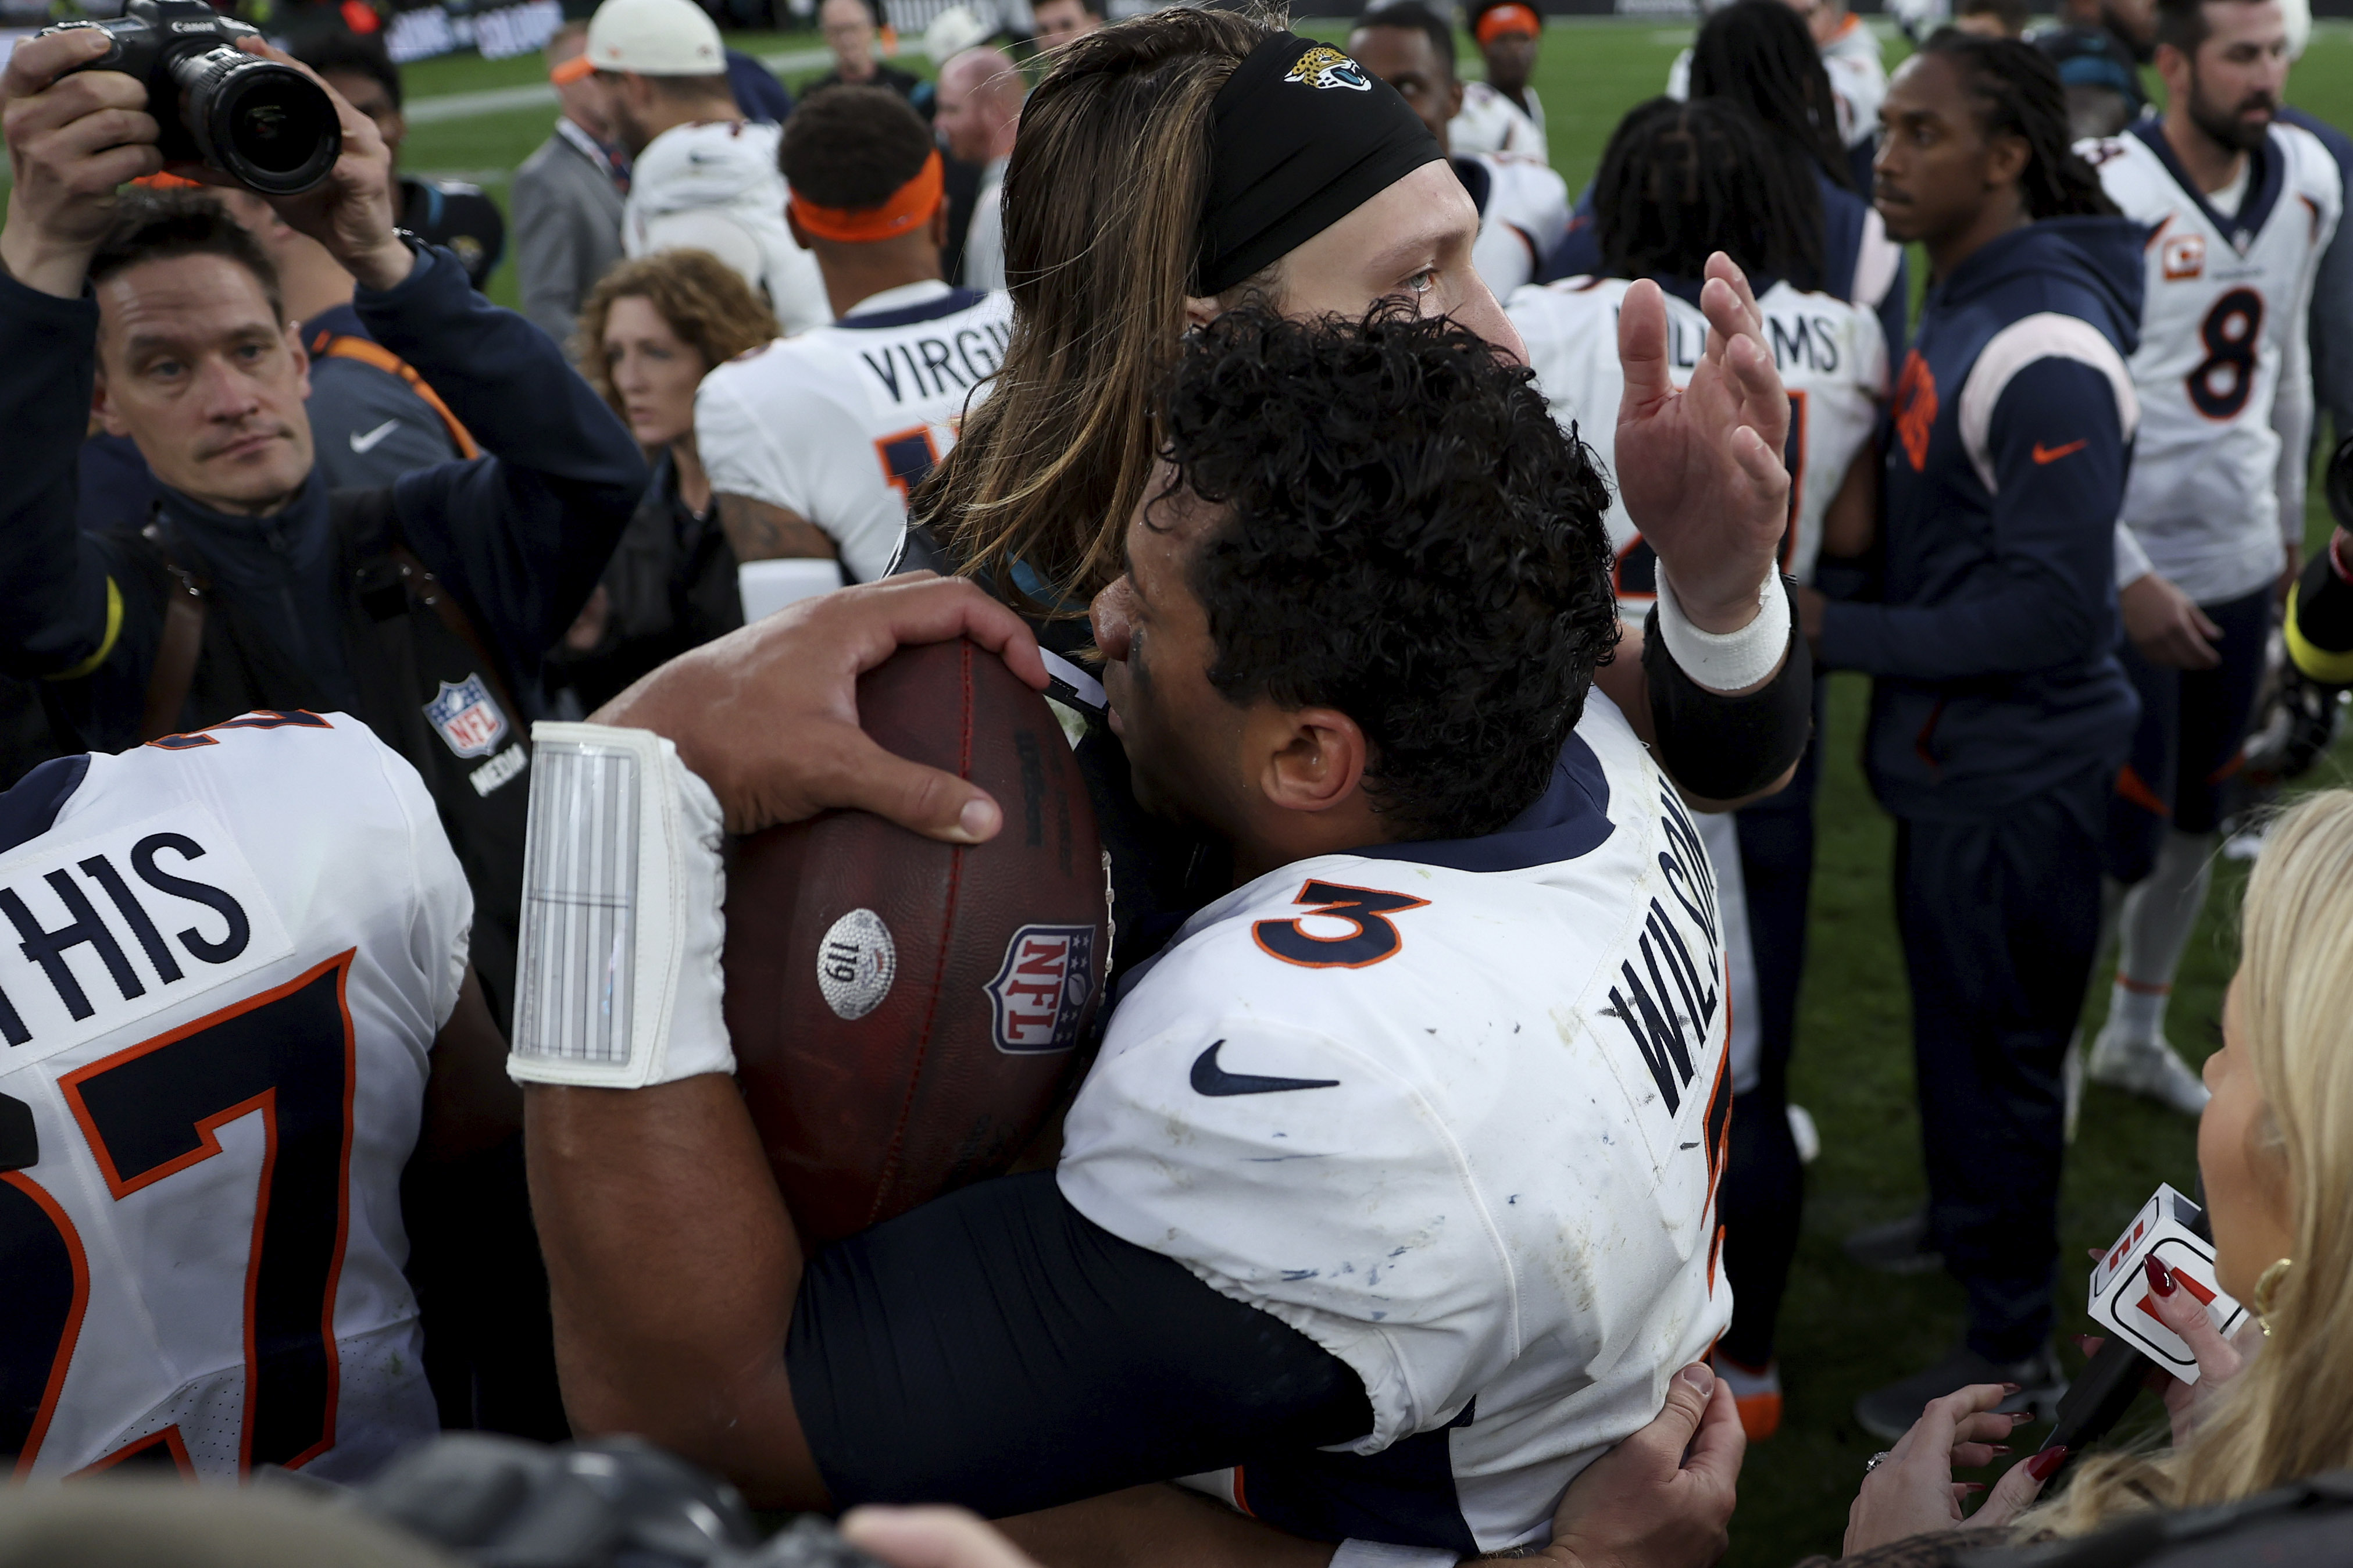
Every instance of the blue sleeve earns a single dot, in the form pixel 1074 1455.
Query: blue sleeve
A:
pixel 65 603
pixel 1580 251
pixel 2046 597
pixel 522 534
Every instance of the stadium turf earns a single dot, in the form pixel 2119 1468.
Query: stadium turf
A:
pixel 1843 1330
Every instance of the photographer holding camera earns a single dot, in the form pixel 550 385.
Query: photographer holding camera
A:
pixel 421 609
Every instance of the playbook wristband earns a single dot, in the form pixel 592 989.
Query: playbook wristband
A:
pixel 1719 747
pixel 619 981
pixel 1354 1554
pixel 1728 661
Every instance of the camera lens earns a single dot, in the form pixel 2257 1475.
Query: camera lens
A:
pixel 264 125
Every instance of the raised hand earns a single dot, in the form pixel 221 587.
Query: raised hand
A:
pixel 1700 468
pixel 72 140
pixel 353 213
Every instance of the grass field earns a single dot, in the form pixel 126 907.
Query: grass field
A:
pixel 1843 1330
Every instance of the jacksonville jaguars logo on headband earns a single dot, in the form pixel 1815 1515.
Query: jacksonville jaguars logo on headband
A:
pixel 1323 67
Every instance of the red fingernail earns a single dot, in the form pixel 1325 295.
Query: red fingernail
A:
pixel 1998 1447
pixel 2011 1387
pixel 1973 1486
pixel 2044 1464
pixel 2159 1280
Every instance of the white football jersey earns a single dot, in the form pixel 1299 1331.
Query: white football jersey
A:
pixel 228 955
pixel 1490 122
pixel 1523 214
pixel 1455 1111
pixel 1858 78
pixel 2225 369
pixel 1832 357
pixel 840 425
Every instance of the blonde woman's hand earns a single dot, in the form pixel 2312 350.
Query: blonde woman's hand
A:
pixel 2219 1359
pixel 1913 1493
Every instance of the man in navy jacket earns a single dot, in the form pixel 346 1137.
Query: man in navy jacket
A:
pixel 1999 709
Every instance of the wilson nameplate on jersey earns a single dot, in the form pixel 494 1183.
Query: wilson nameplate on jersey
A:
pixel 103 931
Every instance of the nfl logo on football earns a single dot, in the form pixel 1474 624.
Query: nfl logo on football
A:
pixel 467 718
pixel 1041 988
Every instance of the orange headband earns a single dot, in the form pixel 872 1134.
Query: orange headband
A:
pixel 1511 18
pixel 571 70
pixel 913 203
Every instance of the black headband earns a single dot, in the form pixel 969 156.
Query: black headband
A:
pixel 1299 137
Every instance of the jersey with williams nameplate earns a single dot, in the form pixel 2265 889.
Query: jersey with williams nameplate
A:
pixel 1455 1111
pixel 2225 368
pixel 225 958
pixel 1832 357
pixel 840 425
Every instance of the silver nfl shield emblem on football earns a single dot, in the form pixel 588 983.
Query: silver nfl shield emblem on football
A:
pixel 1041 988
pixel 469 722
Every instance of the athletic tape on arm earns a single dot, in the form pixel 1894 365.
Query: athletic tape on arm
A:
pixel 619 982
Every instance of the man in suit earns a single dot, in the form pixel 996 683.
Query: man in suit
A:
pixel 567 195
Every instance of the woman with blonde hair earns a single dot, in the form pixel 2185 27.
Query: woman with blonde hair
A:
pixel 650 331
pixel 2275 1152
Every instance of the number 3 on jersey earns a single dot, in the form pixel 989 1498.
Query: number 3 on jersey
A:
pixel 1374 938
pixel 153 1111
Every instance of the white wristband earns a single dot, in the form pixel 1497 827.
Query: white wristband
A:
pixel 1728 661
pixel 1354 1554
pixel 618 982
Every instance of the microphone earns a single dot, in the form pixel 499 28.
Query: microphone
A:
pixel 2101 1393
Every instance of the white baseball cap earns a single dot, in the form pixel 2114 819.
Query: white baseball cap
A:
pixel 655 38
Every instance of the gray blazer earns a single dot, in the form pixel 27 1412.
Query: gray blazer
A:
pixel 567 221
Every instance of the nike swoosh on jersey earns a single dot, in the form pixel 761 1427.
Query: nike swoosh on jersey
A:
pixel 367 443
pixel 1211 1079
pixel 2046 455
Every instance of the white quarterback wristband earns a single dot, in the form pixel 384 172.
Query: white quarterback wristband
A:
pixel 618 983
pixel 1728 661
pixel 1354 1554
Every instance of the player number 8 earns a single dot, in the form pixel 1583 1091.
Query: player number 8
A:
pixel 2221 382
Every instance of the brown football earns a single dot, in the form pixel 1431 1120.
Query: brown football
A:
pixel 904 1011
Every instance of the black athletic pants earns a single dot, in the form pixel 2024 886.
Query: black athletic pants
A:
pixel 1998 918
pixel 1762 1200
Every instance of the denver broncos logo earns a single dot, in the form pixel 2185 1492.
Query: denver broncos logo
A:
pixel 1915 408
pixel 1325 67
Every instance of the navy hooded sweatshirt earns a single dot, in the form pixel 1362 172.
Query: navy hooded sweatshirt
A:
pixel 1994 645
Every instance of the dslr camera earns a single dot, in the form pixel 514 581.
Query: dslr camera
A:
pixel 264 125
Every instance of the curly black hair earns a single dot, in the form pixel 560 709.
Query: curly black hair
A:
pixel 1411 538
pixel 852 147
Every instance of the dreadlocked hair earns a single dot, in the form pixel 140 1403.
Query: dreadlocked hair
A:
pixel 1759 54
pixel 1680 179
pixel 2020 92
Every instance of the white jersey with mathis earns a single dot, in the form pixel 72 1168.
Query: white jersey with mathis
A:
pixel 837 426
pixel 1832 358
pixel 227 956
pixel 2225 369
pixel 1455 1111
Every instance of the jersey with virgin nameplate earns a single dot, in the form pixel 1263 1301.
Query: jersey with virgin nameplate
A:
pixel 2223 370
pixel 1455 1112
pixel 1833 361
pixel 839 426
pixel 227 956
